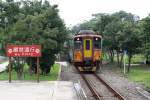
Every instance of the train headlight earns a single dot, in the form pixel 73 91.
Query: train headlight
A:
pixel 96 39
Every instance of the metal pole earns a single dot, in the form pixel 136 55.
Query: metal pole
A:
pixel 38 69
pixel 9 69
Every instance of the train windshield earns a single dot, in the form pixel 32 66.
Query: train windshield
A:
pixel 78 43
pixel 87 44
pixel 97 43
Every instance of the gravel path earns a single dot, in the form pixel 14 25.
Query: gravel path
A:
pixel 118 82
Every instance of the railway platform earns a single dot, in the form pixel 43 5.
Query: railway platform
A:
pixel 45 90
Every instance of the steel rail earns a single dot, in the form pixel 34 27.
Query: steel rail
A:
pixel 94 92
pixel 96 95
pixel 116 94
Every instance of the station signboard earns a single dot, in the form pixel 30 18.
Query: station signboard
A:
pixel 23 50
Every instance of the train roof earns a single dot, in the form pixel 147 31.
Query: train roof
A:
pixel 89 35
pixel 85 33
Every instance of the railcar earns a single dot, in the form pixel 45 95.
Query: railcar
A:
pixel 87 50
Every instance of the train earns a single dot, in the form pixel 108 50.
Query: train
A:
pixel 87 50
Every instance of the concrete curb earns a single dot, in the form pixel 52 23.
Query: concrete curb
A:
pixel 143 92
pixel 62 64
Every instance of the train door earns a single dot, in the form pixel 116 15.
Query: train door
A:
pixel 87 48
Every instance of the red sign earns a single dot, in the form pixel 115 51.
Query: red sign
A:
pixel 23 50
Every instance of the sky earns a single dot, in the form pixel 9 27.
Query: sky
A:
pixel 74 12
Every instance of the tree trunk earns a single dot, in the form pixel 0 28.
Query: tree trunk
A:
pixel 23 71
pixel 20 70
pixel 3 48
pixel 147 59
pixel 121 60
pixel 30 66
pixel 129 61
pixel 111 54
pixel 117 57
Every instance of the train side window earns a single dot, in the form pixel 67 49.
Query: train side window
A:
pixel 97 43
pixel 87 44
pixel 77 43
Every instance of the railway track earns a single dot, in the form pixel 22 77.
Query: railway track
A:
pixel 116 94
pixel 95 93
pixel 94 89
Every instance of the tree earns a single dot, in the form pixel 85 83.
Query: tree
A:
pixel 37 23
pixel 145 37
pixel 131 41
pixel 9 14
pixel 46 29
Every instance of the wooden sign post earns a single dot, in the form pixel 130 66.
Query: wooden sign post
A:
pixel 23 51
pixel 9 69
pixel 38 69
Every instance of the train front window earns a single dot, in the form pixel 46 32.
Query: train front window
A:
pixel 87 44
pixel 97 43
pixel 78 43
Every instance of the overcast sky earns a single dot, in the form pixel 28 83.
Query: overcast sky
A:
pixel 77 11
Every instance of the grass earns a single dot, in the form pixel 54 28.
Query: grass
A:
pixel 49 77
pixel 105 56
pixel 138 58
pixel 140 74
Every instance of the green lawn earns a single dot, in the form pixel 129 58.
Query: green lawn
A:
pixel 105 56
pixel 50 77
pixel 140 74
pixel 138 58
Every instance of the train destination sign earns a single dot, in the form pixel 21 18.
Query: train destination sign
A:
pixel 23 50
